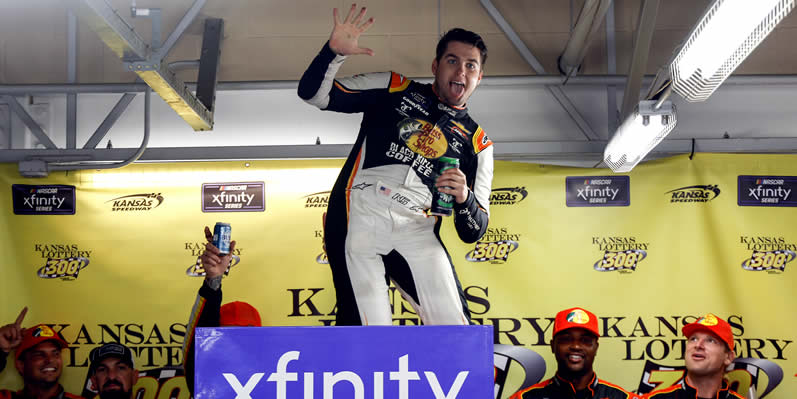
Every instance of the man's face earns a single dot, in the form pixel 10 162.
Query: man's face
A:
pixel 706 354
pixel 114 379
pixel 575 350
pixel 457 73
pixel 41 365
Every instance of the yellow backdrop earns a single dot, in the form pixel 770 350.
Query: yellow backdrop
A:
pixel 675 260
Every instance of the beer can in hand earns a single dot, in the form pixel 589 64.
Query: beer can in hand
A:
pixel 442 203
pixel 221 237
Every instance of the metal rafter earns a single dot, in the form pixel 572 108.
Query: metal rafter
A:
pixel 139 58
pixel 639 60
pixel 25 117
pixel 555 90
pixel 109 120
pixel 527 150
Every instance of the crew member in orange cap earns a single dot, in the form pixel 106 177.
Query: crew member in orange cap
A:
pixel 208 311
pixel 709 351
pixel 574 345
pixel 38 361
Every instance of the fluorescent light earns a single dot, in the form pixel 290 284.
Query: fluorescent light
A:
pixel 640 132
pixel 726 34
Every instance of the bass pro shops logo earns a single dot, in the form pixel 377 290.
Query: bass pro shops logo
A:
pixel 507 195
pixel 769 254
pixel 317 200
pixel 619 253
pixel 64 261
pixel 767 191
pixel 495 246
pixel 136 202
pixel 698 193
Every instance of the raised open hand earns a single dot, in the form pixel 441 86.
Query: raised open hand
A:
pixel 344 37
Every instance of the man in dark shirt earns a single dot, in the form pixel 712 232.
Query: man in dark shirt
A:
pixel 112 371
pixel 377 224
pixel 208 310
pixel 709 351
pixel 574 345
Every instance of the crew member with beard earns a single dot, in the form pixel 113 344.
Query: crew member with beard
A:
pixel 38 361
pixel 709 351
pixel 574 345
pixel 112 371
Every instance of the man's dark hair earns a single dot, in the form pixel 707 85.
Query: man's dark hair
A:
pixel 464 36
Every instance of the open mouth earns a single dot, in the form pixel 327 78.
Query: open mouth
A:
pixel 575 358
pixel 457 88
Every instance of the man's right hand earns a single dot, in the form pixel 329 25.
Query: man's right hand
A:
pixel 212 261
pixel 11 334
pixel 344 37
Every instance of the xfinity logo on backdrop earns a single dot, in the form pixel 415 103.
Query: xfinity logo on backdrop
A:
pixel 233 197
pixel 598 190
pixel 767 191
pixel 404 375
pixel 43 200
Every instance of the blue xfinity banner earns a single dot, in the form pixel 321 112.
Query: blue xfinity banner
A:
pixel 390 362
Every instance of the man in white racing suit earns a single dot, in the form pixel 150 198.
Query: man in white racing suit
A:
pixel 377 225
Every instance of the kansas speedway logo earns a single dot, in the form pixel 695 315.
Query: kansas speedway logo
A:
pixel 598 191
pixel 52 199
pixel 698 193
pixel 769 254
pixel 64 261
pixel 743 374
pixel 136 202
pixel 767 191
pixel 494 247
pixel 621 254
pixel 317 200
pixel 507 195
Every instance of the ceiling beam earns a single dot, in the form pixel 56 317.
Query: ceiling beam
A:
pixel 139 58
pixel 526 150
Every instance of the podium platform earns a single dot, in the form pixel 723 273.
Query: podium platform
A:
pixel 374 362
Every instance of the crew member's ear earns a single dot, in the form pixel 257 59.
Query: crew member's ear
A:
pixel 434 67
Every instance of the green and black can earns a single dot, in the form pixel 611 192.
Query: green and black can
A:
pixel 442 203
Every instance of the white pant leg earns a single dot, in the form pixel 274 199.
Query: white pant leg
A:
pixel 365 243
pixel 439 301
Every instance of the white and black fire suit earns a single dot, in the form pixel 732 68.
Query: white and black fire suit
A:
pixel 376 224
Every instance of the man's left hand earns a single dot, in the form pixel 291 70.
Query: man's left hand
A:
pixel 452 181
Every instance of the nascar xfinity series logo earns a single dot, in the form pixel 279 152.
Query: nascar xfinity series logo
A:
pixel 495 246
pixel 233 197
pixel 507 195
pixel 770 254
pixel 619 253
pixel 136 202
pixel 767 191
pixel 64 261
pixel 43 200
pixel 317 200
pixel 598 190
pixel 698 193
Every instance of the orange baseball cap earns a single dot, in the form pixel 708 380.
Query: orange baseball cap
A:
pixel 239 314
pixel 712 324
pixel 576 318
pixel 36 335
